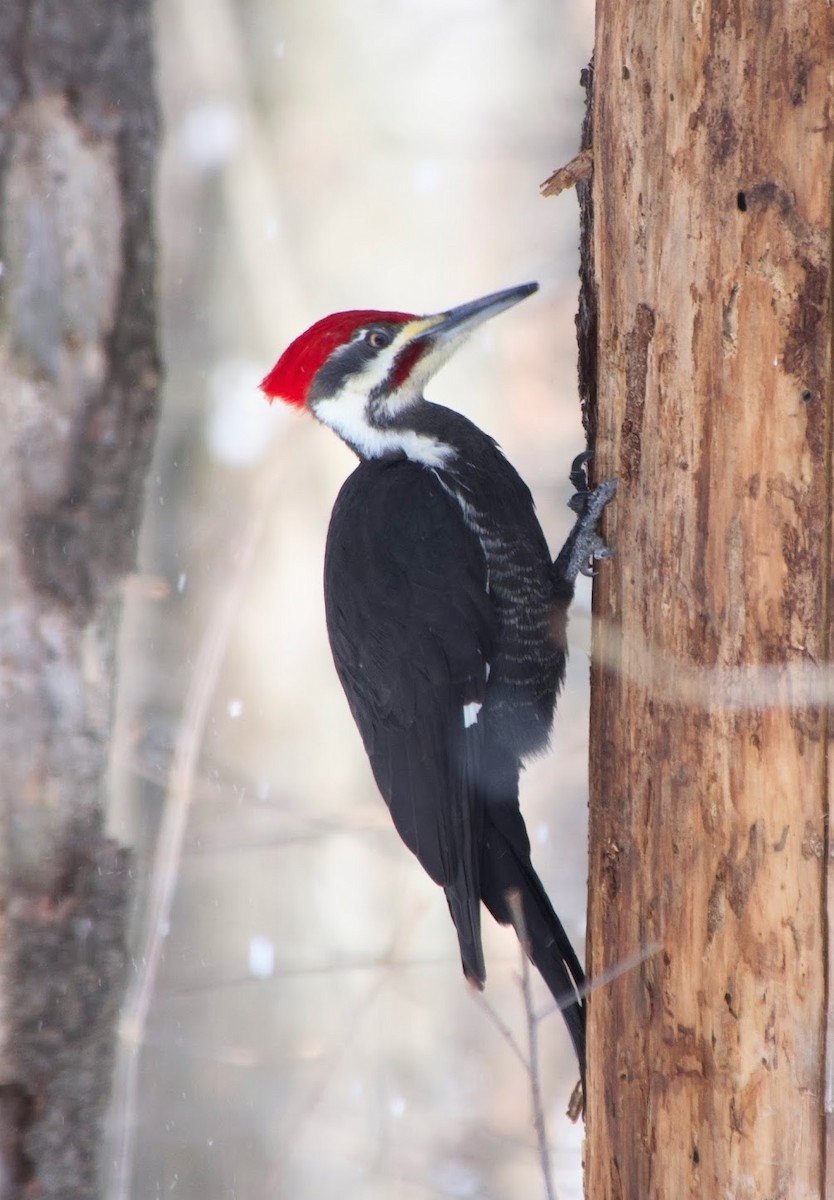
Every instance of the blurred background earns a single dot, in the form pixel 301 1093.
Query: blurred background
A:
pixel 309 1031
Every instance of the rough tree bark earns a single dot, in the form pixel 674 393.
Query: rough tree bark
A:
pixel 711 243
pixel 78 396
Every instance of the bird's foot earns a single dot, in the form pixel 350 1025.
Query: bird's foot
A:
pixel 585 546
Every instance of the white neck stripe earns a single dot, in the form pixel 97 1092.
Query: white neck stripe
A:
pixel 346 414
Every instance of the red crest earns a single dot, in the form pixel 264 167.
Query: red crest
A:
pixel 290 378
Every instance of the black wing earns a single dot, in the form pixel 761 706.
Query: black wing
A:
pixel 411 628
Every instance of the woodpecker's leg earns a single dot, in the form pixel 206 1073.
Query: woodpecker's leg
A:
pixel 584 545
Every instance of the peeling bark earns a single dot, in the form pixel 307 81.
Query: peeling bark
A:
pixel 711 250
pixel 586 316
pixel 78 401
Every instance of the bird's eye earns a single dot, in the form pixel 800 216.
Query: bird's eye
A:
pixel 377 339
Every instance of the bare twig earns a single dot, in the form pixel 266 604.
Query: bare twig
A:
pixel 621 968
pixel 166 865
pixel 502 1027
pixel 517 913
pixel 358 1012
pixel 602 978
pixel 797 684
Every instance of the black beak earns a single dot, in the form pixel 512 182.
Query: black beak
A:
pixel 467 316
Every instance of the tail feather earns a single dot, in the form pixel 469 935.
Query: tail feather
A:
pixel 463 893
pixel 465 908
pixel 555 959
pixel 507 867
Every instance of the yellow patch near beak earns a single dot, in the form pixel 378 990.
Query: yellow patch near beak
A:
pixel 418 328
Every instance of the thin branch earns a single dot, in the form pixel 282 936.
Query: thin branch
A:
pixel 517 913
pixel 794 685
pixel 169 847
pixel 603 978
pixel 503 1029
pixel 621 968
pixel 291 1135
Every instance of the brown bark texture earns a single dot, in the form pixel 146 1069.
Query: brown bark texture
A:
pixel 713 129
pixel 78 397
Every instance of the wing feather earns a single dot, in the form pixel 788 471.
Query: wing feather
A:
pixel 412 628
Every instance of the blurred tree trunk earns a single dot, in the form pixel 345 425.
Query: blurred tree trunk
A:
pixel 78 395
pixel 711 256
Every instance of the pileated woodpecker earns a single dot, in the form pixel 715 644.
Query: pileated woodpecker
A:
pixel 446 614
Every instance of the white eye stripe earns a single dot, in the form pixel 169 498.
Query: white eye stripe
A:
pixel 359 410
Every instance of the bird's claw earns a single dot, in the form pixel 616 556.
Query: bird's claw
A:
pixel 596 549
pixel 578 474
pixel 585 546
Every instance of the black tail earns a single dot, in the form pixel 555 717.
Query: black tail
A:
pixel 505 867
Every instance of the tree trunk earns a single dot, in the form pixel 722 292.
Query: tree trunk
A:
pixel 78 395
pixel 711 238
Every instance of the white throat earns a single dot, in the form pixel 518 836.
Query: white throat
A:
pixel 347 415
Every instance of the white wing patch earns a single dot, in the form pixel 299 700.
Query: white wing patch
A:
pixel 470 714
